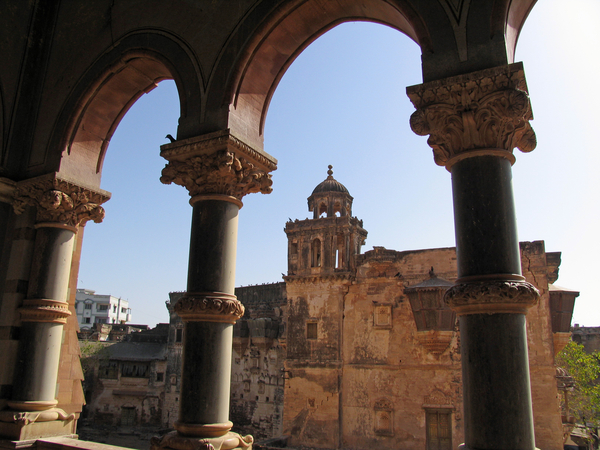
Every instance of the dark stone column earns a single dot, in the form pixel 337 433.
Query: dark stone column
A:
pixel 209 309
pixel 218 170
pixel 474 122
pixel 61 207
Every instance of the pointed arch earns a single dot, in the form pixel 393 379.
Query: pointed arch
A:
pixel 133 67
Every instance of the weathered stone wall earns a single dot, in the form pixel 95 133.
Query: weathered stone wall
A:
pixel 257 361
pixel 367 382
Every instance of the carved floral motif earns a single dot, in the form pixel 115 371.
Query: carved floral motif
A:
pixel 60 201
pixel 217 163
pixel 495 296
pixel 218 173
pixel 487 110
pixel 209 308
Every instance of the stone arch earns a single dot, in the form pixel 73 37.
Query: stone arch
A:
pixel 275 45
pixel 91 114
pixel 440 30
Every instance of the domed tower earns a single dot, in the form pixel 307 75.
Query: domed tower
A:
pixel 328 243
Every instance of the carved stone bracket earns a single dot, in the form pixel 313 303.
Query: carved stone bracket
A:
pixel 176 441
pixel 60 201
pixel 480 113
pixel 44 310
pixel 217 164
pixel 493 296
pixel 435 341
pixel 209 307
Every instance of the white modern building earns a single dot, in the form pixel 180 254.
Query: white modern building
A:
pixel 96 308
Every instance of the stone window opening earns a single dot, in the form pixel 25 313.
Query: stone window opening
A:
pixel 316 253
pixel 339 252
pixel 179 335
pixel 383 418
pixel 135 370
pixel 338 211
pixel 294 249
pixel 322 210
pixel 160 377
pixel 311 330
pixel 109 370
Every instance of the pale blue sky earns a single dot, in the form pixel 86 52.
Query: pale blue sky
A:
pixel 343 102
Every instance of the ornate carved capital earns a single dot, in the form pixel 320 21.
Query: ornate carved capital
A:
pixel 209 307
pixel 44 310
pixel 485 112
pixel 60 201
pixel 217 164
pixel 493 296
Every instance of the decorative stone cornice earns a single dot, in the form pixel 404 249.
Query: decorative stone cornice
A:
pixel 217 164
pixel 60 201
pixel 209 307
pixel 492 296
pixel 480 113
pixel 44 310
pixel 347 276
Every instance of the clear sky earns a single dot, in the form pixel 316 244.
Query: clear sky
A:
pixel 343 102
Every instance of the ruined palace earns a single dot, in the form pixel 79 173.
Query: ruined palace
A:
pixel 72 69
pixel 372 351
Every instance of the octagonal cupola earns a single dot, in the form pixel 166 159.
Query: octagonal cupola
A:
pixel 330 198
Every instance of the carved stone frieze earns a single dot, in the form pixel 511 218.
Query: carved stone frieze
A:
pixel 60 201
pixel 219 164
pixel 485 112
pixel 493 296
pixel 44 310
pixel 209 307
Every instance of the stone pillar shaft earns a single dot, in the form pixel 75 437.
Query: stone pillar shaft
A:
pixel 217 170
pixel 41 337
pixel 484 217
pixel 474 122
pixel 207 345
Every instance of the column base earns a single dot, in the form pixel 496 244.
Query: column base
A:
pixel 20 426
pixel 176 441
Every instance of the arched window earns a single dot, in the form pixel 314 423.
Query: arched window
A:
pixel 316 253
pixel 322 209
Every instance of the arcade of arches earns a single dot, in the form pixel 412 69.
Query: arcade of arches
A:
pixel 72 69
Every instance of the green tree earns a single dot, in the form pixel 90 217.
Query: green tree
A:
pixel 584 400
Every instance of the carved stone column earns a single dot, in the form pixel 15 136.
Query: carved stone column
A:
pixel 62 206
pixel 474 122
pixel 217 170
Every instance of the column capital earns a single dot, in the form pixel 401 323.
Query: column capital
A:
pixel 479 113
pixel 59 201
pixel 492 297
pixel 209 307
pixel 217 164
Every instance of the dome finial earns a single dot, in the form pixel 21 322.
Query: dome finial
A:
pixel 330 172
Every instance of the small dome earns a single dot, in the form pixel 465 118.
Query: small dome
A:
pixel 330 184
